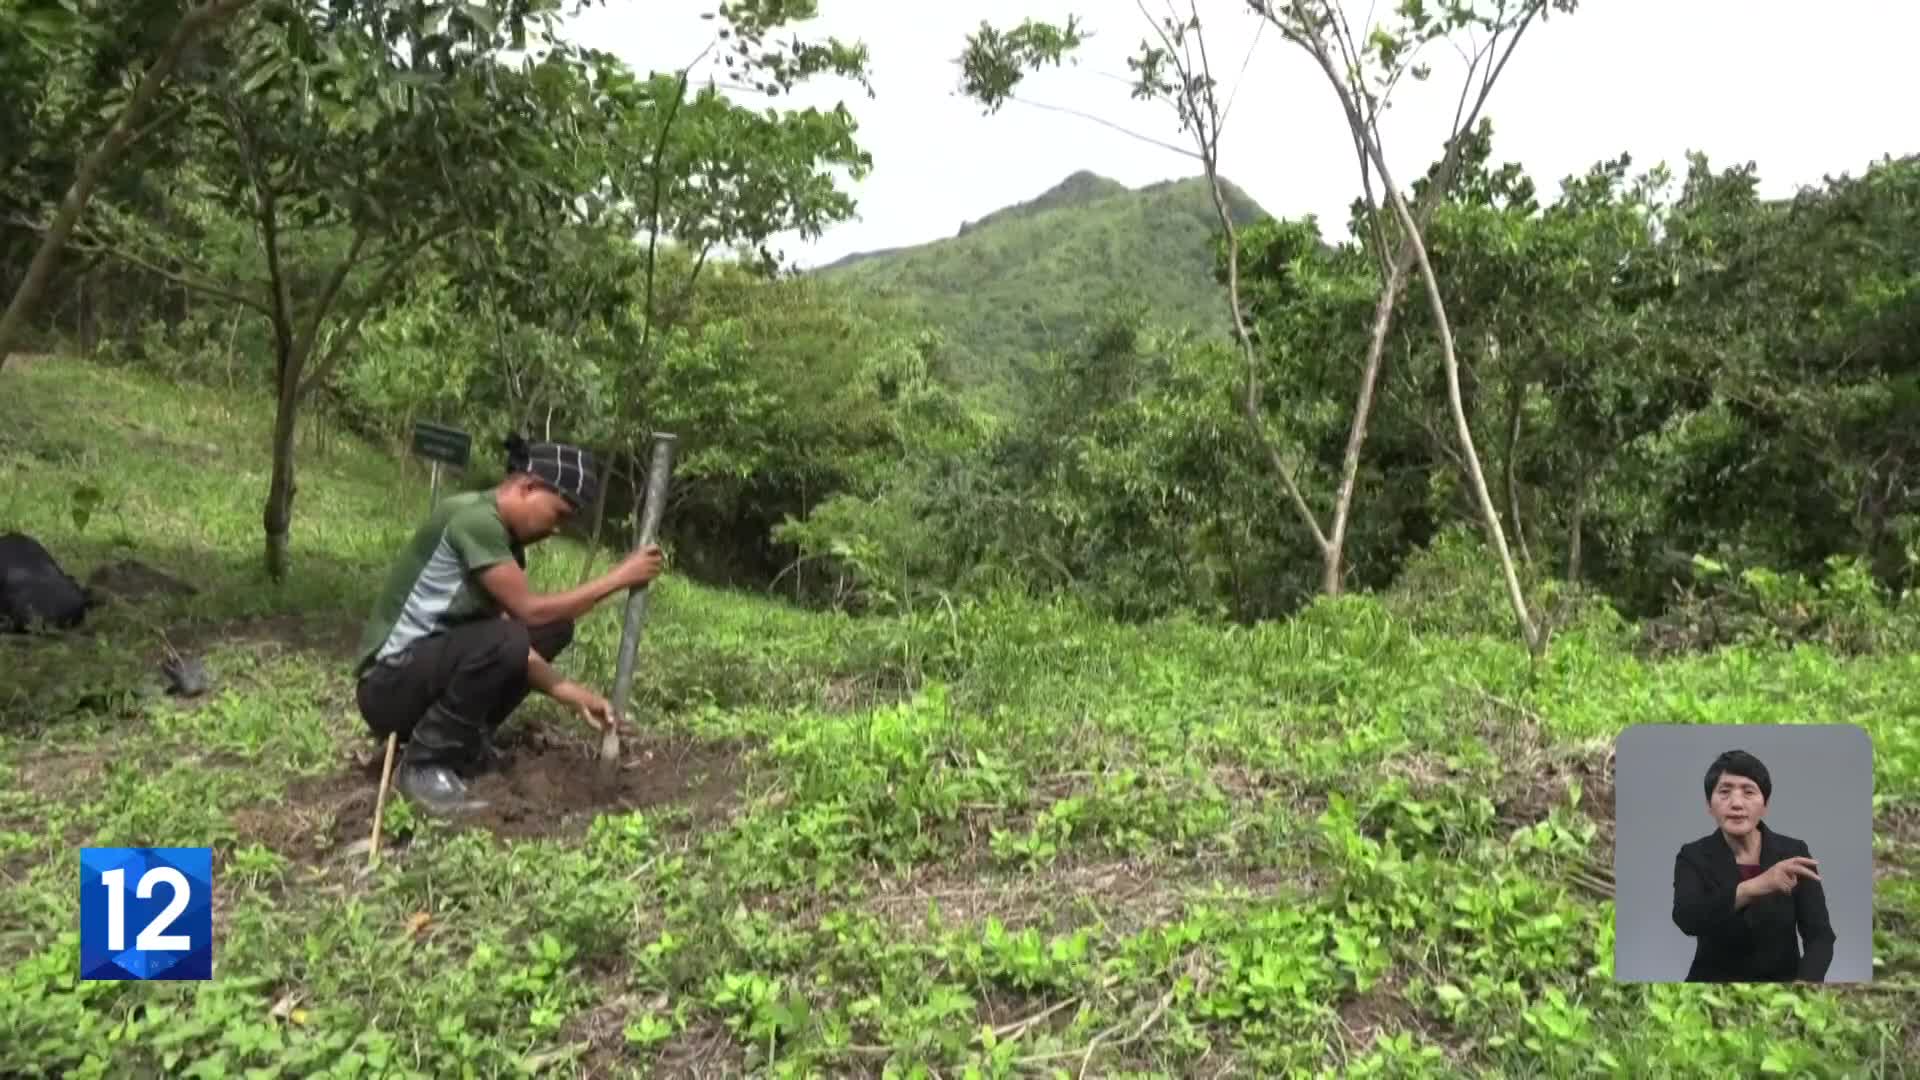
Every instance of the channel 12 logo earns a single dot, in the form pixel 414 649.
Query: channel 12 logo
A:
pixel 146 913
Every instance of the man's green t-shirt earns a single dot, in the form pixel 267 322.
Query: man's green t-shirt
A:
pixel 434 583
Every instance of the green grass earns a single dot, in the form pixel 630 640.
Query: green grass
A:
pixel 992 840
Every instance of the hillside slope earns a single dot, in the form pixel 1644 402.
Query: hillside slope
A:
pixel 1002 835
pixel 1029 277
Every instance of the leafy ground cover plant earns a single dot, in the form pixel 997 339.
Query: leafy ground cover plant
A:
pixel 988 839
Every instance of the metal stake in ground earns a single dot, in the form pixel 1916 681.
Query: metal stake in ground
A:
pixel 658 477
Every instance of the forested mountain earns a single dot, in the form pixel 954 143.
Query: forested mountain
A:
pixel 1034 276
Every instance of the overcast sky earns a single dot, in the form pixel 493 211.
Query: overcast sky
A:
pixel 1801 89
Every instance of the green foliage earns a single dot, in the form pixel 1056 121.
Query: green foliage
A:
pixel 72 67
pixel 994 60
pixel 1109 485
pixel 1327 844
pixel 1846 610
pixel 1619 401
pixel 1652 373
pixel 1452 586
pixel 886 553
pixel 1044 807
pixel 318 167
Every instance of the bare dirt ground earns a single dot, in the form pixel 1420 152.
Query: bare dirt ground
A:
pixel 543 789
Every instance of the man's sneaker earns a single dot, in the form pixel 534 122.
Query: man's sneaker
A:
pixel 436 788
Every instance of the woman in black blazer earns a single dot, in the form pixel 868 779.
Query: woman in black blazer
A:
pixel 1744 890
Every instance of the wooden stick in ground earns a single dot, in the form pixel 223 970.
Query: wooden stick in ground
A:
pixel 657 478
pixel 380 800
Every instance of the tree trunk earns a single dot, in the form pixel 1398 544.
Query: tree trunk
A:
pixel 1579 520
pixel 1332 572
pixel 1250 399
pixel 1361 125
pixel 1333 552
pixel 278 518
pixel 84 321
pixel 1516 405
pixel 96 164
pixel 1476 479
pixel 1202 107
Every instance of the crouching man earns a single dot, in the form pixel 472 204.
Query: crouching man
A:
pixel 457 637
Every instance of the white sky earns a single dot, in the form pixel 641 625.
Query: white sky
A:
pixel 1802 90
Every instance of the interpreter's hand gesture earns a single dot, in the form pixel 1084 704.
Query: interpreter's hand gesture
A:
pixel 1782 876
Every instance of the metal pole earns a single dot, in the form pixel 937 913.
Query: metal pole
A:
pixel 657 479
pixel 433 493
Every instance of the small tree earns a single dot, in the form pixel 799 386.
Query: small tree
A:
pixel 1362 77
pixel 1363 73
pixel 127 129
pixel 350 141
pixel 707 173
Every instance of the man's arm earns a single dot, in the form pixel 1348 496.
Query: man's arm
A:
pixel 483 546
pixel 541 674
pixel 596 709
pixel 508 586
pixel 543 677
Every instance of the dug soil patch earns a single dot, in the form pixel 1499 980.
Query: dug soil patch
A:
pixel 545 790
pixel 542 790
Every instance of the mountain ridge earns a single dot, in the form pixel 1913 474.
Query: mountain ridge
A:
pixel 1031 276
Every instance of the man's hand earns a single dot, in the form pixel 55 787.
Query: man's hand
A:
pixel 641 567
pixel 1782 876
pixel 594 709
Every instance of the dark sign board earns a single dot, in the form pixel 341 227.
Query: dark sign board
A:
pixel 434 442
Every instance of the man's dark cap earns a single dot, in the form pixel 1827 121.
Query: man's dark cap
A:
pixel 566 469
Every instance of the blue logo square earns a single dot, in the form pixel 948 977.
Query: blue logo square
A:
pixel 146 913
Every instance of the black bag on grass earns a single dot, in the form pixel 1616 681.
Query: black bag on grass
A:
pixel 34 592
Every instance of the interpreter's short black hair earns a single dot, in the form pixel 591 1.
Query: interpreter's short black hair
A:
pixel 1740 763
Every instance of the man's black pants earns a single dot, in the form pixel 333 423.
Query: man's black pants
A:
pixel 447 694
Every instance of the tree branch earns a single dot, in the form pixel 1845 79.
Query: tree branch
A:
pixel 1181 150
pixel 1206 129
pixel 1351 92
pixel 1516 409
pixel 1536 643
pixel 659 195
pixel 1209 126
pixel 1245 62
pixel 266 219
pixel 381 287
pixel 303 344
pixel 684 300
pixel 157 123
pixel 178 278
pixel 194 23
